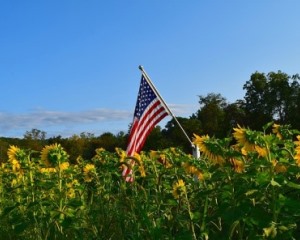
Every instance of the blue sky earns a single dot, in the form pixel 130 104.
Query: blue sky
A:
pixel 71 66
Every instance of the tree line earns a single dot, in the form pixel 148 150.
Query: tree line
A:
pixel 272 97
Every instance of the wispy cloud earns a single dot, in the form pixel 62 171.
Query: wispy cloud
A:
pixel 183 110
pixel 46 119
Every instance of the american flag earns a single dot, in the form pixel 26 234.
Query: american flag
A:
pixel 149 111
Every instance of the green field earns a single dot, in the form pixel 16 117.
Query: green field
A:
pixel 243 187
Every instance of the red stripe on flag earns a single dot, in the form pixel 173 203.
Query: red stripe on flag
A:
pixel 134 129
pixel 143 125
pixel 147 131
pixel 148 112
pixel 147 127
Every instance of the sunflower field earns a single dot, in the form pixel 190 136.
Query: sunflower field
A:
pixel 246 186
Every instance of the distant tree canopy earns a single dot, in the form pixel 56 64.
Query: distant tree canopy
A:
pixel 272 97
pixel 268 97
pixel 212 113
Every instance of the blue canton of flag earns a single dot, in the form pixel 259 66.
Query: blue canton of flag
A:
pixel 145 97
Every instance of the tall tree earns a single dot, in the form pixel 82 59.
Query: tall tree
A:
pixel 35 134
pixel 271 97
pixel 234 115
pixel 293 108
pixel 212 115
pixel 35 139
pixel 255 106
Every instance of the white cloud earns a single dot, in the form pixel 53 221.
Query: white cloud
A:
pixel 183 110
pixel 11 122
pixel 16 124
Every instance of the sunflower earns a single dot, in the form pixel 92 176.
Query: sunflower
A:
pixel 237 165
pixel 142 171
pixel 204 143
pixel 161 157
pixel 179 188
pixel 174 151
pixel 48 170
pixel 99 157
pixel 280 168
pixel 200 142
pixel 276 130
pixel 89 171
pixel 163 160
pixel 240 134
pixel 79 160
pixel 63 166
pixel 100 150
pixel 138 159
pixel 262 152
pixel 12 153
pixel 15 153
pixel 71 192
pixel 297 151
pixel 193 171
pixel 122 154
pixel 15 157
pixel 3 166
pixel 14 182
pixel 53 154
pixel 15 165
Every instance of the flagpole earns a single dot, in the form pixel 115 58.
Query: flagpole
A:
pixel 164 103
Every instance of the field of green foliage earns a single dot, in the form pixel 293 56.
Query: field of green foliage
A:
pixel 246 186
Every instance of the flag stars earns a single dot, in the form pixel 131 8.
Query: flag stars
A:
pixel 145 97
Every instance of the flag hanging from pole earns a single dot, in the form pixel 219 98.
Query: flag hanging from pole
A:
pixel 149 111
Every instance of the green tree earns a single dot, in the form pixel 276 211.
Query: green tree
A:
pixel 175 136
pixel 4 145
pixel 255 106
pixel 35 134
pixel 107 141
pixel 75 146
pixel 156 140
pixel 271 97
pixel 293 108
pixel 234 115
pixel 35 139
pixel 212 114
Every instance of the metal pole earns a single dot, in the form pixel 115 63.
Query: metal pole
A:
pixel 164 103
